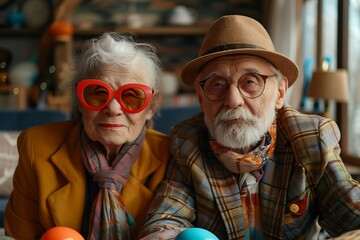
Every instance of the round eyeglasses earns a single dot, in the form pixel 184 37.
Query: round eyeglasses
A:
pixel 95 95
pixel 251 85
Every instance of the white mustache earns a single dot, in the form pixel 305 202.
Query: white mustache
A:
pixel 243 115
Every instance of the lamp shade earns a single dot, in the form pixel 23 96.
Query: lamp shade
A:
pixel 329 85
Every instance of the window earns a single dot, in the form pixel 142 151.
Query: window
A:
pixel 354 77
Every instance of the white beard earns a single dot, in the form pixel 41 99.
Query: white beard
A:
pixel 239 128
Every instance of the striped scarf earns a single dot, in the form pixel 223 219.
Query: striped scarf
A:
pixel 109 218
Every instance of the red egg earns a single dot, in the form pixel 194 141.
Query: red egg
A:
pixel 61 233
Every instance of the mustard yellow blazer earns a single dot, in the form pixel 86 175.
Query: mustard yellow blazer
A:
pixel 50 180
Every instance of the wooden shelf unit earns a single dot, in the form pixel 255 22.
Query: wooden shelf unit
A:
pixel 148 31
pixel 20 32
pixel 19 92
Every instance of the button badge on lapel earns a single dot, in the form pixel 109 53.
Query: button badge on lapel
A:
pixel 298 207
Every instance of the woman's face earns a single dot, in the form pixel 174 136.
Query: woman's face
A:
pixel 111 126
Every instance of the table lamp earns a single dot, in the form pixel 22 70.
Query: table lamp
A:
pixel 329 85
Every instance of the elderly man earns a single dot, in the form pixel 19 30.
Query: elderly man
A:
pixel 249 166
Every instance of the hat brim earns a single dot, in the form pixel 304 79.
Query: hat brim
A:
pixel 287 67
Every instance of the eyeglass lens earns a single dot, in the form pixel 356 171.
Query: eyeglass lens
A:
pixel 251 85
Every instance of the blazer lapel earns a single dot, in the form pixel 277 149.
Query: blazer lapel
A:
pixel 224 186
pixel 146 163
pixel 143 180
pixel 273 199
pixel 274 185
pixel 70 196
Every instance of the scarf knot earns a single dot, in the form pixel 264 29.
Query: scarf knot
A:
pixel 109 179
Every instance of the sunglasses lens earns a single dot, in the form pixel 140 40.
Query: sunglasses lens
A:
pixel 95 95
pixel 133 98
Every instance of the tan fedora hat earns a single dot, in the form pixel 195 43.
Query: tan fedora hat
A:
pixel 236 34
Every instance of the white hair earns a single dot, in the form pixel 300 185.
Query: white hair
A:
pixel 114 48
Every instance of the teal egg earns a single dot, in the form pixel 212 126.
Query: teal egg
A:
pixel 196 234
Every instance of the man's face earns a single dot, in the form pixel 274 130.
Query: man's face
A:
pixel 236 121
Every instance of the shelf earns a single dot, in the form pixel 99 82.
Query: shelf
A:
pixel 148 31
pixel 9 32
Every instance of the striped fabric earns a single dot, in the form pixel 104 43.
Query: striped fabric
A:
pixel 304 186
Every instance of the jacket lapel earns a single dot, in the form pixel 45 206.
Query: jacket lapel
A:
pixel 143 180
pixel 224 186
pixel 275 183
pixel 273 190
pixel 70 196
pixel 146 163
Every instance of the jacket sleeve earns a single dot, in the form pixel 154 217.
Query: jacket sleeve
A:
pixel 338 194
pixel 172 208
pixel 21 215
pixel 34 204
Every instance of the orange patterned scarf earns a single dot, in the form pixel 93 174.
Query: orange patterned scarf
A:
pixel 249 162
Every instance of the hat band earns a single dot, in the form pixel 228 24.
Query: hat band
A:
pixel 231 47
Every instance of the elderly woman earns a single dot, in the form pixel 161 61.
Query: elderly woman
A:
pixel 96 173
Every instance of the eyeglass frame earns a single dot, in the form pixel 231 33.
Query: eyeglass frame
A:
pixel 80 87
pixel 264 77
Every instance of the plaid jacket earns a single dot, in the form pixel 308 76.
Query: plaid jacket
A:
pixel 306 171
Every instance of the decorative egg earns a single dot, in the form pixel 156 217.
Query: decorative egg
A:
pixel 62 30
pixel 196 234
pixel 61 233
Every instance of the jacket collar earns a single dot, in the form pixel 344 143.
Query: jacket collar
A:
pixel 146 164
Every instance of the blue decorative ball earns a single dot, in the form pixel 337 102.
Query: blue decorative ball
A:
pixel 196 234
pixel 15 19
